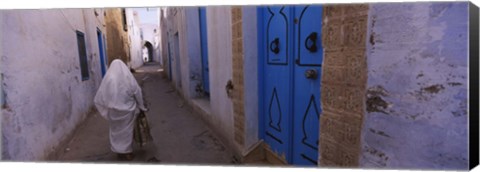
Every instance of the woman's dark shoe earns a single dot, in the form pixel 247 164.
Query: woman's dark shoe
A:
pixel 125 156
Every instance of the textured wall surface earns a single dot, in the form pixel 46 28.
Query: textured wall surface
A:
pixel 45 95
pixel 343 84
pixel 117 38
pixel 416 99
pixel 237 66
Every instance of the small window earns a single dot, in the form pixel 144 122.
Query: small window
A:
pixel 82 53
pixel 124 17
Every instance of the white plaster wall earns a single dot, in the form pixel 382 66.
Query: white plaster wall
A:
pixel 417 57
pixel 220 65
pixel 187 24
pixel 250 68
pixel 135 40
pixel 92 22
pixel 164 40
pixel 148 34
pixel 179 50
pixel 45 95
pixel 169 38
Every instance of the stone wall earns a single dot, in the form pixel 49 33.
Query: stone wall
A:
pixel 118 46
pixel 237 66
pixel 343 84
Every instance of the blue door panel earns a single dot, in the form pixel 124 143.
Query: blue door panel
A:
pixel 277 79
pixel 307 86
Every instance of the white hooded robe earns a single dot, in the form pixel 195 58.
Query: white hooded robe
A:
pixel 117 100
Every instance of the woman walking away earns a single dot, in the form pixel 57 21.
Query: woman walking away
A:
pixel 117 100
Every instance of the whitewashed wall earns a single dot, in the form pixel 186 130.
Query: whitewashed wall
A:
pixel 220 66
pixel 417 58
pixel 45 96
pixel 135 40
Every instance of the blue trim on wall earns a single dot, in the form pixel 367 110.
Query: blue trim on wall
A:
pixel 202 14
pixel 101 51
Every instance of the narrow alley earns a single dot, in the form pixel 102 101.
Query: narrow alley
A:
pixel 365 85
pixel 179 135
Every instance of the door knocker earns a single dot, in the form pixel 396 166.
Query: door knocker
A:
pixel 275 43
pixel 313 39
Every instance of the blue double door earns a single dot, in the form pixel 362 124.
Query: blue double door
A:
pixel 292 54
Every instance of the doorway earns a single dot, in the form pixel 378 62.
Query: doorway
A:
pixel 177 61
pixel 169 62
pixel 291 56
pixel 149 53
pixel 101 51
pixel 204 46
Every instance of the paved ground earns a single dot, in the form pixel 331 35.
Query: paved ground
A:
pixel 179 135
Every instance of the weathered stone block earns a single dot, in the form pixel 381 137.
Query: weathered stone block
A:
pixel 333 75
pixel 335 59
pixel 354 99
pixel 357 76
pixel 236 14
pixel 339 98
pixel 355 30
pixel 333 12
pixel 343 84
pixel 237 30
pixel 327 96
pixel 332 35
pixel 328 150
pixel 355 10
pixel 327 163
pixel 238 49
pixel 355 57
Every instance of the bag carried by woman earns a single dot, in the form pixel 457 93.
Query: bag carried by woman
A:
pixel 142 130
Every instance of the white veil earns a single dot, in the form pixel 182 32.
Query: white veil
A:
pixel 119 90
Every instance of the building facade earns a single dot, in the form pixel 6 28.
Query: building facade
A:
pixel 357 85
